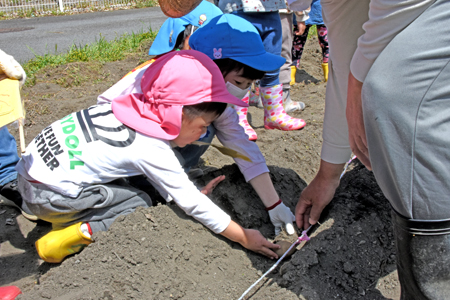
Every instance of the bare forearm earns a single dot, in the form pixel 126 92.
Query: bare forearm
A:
pixel 235 233
pixel 264 188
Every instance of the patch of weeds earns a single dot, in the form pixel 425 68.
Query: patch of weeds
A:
pixel 100 52
pixel 73 77
pixel 312 32
pixel 101 78
pixel 47 96
pixel 35 108
pixel 146 3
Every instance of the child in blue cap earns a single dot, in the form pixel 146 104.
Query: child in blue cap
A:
pixel 233 30
pixel 232 37
pixel 264 16
pixel 174 32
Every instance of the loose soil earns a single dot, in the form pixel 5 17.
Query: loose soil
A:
pixel 160 253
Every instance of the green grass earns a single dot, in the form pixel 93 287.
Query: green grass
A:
pixel 312 31
pixel 101 51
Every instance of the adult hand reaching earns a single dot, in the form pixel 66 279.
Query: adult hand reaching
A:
pixel 355 121
pixel 317 194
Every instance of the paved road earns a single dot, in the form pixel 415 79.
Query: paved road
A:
pixel 24 37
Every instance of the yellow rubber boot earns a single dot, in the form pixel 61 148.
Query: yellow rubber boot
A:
pixel 325 71
pixel 59 243
pixel 293 72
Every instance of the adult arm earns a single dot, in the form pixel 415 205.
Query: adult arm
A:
pixel 355 121
pixel 386 19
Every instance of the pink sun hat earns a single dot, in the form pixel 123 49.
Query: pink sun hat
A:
pixel 176 79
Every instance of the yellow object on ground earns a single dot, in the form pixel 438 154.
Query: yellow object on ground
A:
pixel 293 72
pixel 59 243
pixel 11 106
pixel 325 71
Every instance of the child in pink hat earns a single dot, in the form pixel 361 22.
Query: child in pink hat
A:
pixel 72 173
pixel 236 48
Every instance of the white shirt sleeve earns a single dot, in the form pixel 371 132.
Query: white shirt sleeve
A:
pixel 386 19
pixel 233 136
pixel 163 169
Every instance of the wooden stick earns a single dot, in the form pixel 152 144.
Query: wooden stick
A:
pixel 21 136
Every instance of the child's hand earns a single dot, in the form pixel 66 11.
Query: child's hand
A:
pixel 301 27
pixel 256 242
pixel 207 190
pixel 250 239
pixel 281 216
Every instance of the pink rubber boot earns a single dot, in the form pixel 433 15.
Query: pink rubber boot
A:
pixel 242 113
pixel 275 117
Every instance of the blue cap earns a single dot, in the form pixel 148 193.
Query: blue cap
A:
pixel 230 36
pixel 171 28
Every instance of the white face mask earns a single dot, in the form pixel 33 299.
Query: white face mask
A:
pixel 236 91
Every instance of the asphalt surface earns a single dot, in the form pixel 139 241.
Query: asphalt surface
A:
pixel 23 38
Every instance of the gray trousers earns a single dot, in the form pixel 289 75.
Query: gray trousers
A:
pixel 406 104
pixel 98 204
pixel 286 49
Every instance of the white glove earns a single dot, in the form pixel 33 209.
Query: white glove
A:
pixel 11 68
pixel 280 216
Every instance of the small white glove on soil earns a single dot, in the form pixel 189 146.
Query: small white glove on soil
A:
pixel 11 68
pixel 280 216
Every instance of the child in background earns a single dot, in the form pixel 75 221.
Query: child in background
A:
pixel 175 32
pixel 72 173
pixel 301 30
pixel 286 16
pixel 237 49
pixel 264 16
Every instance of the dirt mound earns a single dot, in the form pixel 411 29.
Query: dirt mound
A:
pixel 160 253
